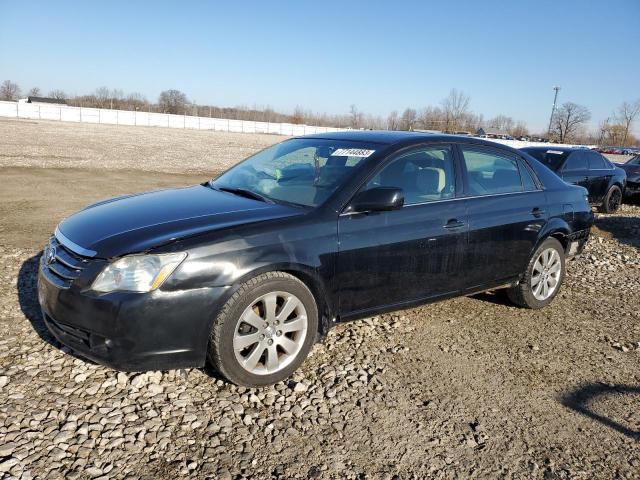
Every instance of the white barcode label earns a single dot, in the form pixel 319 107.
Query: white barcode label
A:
pixel 352 152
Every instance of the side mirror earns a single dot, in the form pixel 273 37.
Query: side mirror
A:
pixel 379 199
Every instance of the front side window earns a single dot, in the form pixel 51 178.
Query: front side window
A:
pixel 576 161
pixel 634 161
pixel 303 171
pixel 490 172
pixel 424 175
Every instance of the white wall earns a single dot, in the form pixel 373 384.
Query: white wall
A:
pixel 124 117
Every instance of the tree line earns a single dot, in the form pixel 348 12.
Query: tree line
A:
pixel 452 114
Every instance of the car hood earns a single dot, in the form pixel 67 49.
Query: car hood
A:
pixel 136 223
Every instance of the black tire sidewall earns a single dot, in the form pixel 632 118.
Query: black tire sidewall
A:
pixel 229 365
pixel 605 205
pixel 527 293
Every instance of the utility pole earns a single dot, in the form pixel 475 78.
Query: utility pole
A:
pixel 553 110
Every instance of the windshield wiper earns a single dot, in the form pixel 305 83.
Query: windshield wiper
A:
pixel 244 193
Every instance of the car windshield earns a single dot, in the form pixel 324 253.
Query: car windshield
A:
pixel 551 158
pixel 302 171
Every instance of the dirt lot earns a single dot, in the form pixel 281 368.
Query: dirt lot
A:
pixel 467 388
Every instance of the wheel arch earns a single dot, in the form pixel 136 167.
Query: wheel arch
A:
pixel 557 228
pixel 309 276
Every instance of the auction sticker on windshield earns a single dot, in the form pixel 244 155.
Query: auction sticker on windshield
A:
pixel 352 152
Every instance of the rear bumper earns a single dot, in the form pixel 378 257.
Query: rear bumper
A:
pixel 577 242
pixel 159 330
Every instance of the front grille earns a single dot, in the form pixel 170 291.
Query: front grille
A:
pixel 60 265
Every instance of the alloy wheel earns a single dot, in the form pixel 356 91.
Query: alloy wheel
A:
pixel 546 274
pixel 270 333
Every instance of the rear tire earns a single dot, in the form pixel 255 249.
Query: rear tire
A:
pixel 264 331
pixel 543 278
pixel 612 200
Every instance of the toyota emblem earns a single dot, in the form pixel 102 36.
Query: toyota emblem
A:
pixel 50 255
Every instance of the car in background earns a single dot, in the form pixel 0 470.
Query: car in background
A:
pixel 587 168
pixel 250 269
pixel 632 168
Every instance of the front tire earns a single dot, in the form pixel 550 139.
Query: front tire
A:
pixel 264 331
pixel 543 278
pixel 612 200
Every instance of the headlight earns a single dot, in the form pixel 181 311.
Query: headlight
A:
pixel 137 273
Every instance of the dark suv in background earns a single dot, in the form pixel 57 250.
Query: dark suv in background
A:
pixel 580 166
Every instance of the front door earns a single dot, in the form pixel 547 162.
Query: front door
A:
pixel 416 252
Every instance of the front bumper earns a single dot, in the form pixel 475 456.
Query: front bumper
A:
pixel 632 189
pixel 159 330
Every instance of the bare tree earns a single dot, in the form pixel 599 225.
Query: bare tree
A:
pixel 355 117
pixel 34 92
pixel 392 121
pixel 408 119
pixel 431 118
pixel 172 101
pixel 298 115
pixel 58 94
pixel 136 101
pixel 455 106
pixel 519 130
pixel 627 113
pixel 9 91
pixel 568 120
pixel 103 95
pixel 501 122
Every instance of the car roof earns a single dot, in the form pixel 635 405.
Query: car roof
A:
pixel 389 137
pixel 552 147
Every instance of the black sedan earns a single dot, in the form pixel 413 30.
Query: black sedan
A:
pixel 580 166
pixel 632 168
pixel 250 269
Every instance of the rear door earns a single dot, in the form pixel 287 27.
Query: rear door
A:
pixel 600 174
pixel 507 209
pixel 576 171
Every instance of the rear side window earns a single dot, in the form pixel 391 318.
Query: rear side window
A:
pixel 576 161
pixel 490 172
pixel 597 161
pixel 551 158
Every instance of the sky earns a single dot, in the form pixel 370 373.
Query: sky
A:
pixel 325 56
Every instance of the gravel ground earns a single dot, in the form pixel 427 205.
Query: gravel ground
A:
pixel 49 144
pixel 466 388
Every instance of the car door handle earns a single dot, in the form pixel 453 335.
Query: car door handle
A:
pixel 453 224
pixel 537 212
